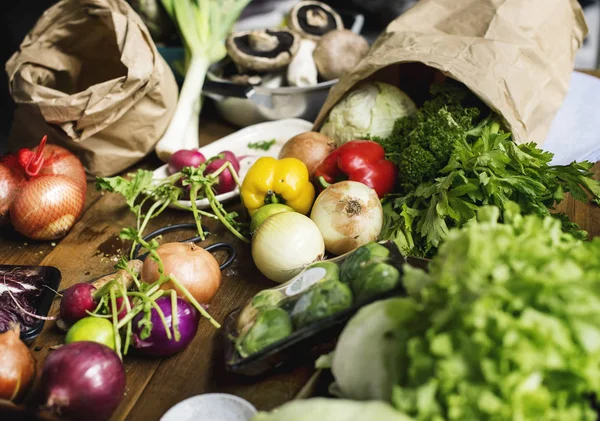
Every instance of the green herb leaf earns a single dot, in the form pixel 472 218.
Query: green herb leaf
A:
pixel 264 145
pixel 122 263
pixel 130 234
pixel 130 188
pixel 146 327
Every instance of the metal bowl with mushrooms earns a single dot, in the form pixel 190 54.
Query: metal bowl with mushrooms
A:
pixel 285 72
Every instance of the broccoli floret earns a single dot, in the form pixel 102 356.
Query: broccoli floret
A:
pixel 421 145
pixel 416 163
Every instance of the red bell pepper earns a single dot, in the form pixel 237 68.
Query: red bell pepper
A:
pixel 359 160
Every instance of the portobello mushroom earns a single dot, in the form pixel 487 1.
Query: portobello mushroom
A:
pixel 262 50
pixel 313 19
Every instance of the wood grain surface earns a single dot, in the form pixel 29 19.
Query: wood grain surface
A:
pixel 153 384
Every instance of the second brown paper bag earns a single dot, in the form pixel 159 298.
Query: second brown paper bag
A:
pixel 515 55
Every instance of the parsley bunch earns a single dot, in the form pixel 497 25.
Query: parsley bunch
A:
pixel 478 165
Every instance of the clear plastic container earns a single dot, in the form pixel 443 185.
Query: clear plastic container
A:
pixel 301 318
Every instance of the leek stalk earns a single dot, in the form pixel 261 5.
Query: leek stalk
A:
pixel 203 25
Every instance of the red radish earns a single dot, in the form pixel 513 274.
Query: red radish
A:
pixel 82 381
pixel 226 181
pixel 230 156
pixel 76 300
pixel 120 305
pixel 43 190
pixel 185 158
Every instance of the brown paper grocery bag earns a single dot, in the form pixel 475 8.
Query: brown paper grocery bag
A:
pixel 516 55
pixel 89 75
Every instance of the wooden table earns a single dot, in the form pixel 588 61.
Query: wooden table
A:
pixel 153 384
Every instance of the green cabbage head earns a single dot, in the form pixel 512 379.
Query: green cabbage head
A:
pixel 317 409
pixel 368 110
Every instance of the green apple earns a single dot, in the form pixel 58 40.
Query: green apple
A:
pixel 93 329
pixel 265 211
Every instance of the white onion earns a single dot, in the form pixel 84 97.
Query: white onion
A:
pixel 349 215
pixel 284 244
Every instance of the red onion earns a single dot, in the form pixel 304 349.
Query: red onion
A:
pixel 157 344
pixel 185 158
pixel 226 181
pixel 82 381
pixel 76 300
pixel 43 190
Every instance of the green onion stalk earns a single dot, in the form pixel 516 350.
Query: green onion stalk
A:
pixel 203 25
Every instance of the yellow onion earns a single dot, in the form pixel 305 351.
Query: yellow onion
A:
pixel 17 366
pixel 349 215
pixel 195 268
pixel 284 244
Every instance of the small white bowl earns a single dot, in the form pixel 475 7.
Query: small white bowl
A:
pixel 211 407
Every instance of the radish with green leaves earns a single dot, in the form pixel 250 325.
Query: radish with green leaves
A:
pixel 76 302
pixel 185 158
pixel 147 198
pixel 226 181
pixel 81 299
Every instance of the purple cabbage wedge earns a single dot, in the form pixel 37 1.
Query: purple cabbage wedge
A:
pixel 19 291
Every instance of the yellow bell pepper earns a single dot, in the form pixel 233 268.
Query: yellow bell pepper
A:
pixel 278 181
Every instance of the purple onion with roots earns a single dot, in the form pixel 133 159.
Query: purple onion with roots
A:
pixel 158 344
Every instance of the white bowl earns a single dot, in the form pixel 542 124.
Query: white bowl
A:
pixel 211 407
pixel 237 142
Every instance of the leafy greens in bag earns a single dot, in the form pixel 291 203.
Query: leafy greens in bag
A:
pixel 453 158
